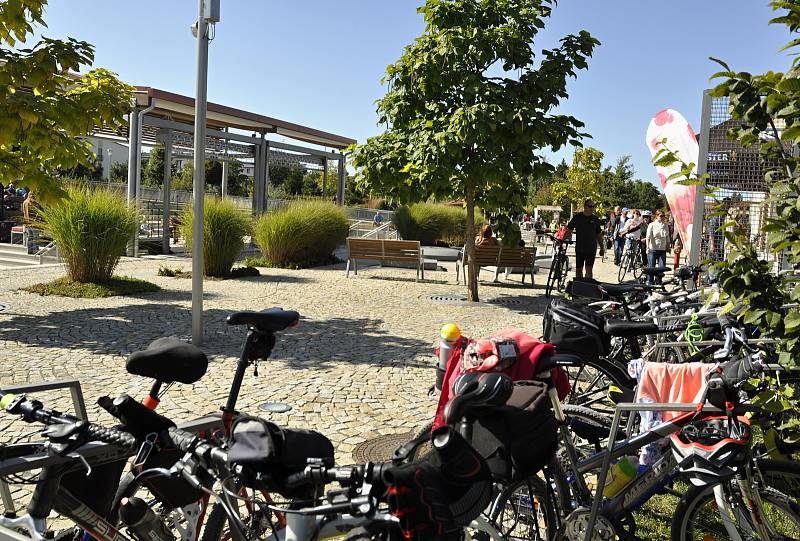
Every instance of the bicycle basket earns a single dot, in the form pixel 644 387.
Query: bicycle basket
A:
pixel 575 329
pixel 519 438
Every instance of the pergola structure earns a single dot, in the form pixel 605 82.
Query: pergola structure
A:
pixel 166 117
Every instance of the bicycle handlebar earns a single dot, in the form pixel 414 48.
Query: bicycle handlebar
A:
pixel 34 411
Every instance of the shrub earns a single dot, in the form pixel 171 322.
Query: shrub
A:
pixel 302 233
pixel 432 223
pixel 92 228
pixel 224 229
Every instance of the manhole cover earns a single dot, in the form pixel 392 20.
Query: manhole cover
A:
pixel 446 299
pixel 274 407
pixel 380 449
pixel 3 307
pixel 504 300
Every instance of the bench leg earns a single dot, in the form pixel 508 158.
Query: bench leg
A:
pixel 355 267
pixel 347 269
pixel 458 281
pixel 422 269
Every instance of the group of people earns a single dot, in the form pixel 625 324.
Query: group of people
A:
pixel 650 236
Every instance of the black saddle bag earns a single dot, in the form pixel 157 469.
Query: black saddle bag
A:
pixel 577 329
pixel 519 438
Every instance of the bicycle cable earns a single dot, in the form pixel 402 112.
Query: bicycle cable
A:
pixel 693 333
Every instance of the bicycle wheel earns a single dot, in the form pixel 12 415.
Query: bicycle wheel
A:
pixel 623 265
pixel 562 275
pixel 554 275
pixel 781 475
pixel 260 522
pixel 699 518
pixel 527 509
pixel 589 384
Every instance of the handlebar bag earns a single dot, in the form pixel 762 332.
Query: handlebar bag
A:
pixel 267 448
pixel 576 329
pixel 518 438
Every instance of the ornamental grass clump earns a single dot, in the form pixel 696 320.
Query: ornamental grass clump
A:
pixel 224 228
pixel 301 234
pixel 91 227
pixel 432 223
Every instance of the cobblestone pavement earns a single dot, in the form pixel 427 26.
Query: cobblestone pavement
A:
pixel 358 365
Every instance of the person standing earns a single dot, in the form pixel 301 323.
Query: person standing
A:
pixel 619 241
pixel 658 240
pixel 588 236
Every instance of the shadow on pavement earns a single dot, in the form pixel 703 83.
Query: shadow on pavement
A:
pixel 314 344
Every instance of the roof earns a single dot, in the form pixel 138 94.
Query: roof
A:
pixel 179 107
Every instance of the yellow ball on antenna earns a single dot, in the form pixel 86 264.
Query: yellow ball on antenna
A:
pixel 450 332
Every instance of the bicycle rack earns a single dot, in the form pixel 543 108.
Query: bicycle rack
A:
pixel 78 404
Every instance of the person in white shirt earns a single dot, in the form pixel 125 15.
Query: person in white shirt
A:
pixel 632 231
pixel 658 243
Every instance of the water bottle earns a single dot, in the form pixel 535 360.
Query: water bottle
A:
pixel 622 473
pixel 448 336
pixel 142 521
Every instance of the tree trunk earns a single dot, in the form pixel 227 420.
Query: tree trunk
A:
pixel 472 274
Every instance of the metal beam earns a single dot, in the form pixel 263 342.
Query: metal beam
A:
pixel 166 196
pixel 341 180
pixel 698 216
pixel 188 128
pixel 267 144
pixel 304 150
pixel 225 170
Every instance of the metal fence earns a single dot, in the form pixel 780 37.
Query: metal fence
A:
pixel 739 192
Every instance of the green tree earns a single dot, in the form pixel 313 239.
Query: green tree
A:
pixel 153 171
pixel 119 171
pixel 461 129
pixel 239 184
pixel 583 179
pixel 293 181
pixel 45 109
pixel 765 102
pixel 645 195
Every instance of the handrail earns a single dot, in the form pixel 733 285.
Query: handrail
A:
pixel 44 251
pixel 379 229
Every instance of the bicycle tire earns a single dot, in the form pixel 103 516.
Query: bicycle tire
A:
pixel 623 266
pixel 553 275
pixel 563 271
pixel 690 513
pixel 214 528
pixel 528 509
pixel 595 395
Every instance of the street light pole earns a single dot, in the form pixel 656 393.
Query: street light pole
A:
pixel 208 11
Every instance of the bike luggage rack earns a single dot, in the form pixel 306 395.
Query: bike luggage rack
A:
pixel 78 404
pixel 612 440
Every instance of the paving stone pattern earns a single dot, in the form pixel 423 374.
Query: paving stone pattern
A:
pixel 358 365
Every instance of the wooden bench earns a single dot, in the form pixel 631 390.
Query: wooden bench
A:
pixel 499 256
pixel 384 250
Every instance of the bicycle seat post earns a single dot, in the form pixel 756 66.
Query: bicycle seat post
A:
pixel 257 346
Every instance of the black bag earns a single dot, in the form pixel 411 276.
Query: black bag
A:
pixel 518 439
pixel 267 448
pixel 577 329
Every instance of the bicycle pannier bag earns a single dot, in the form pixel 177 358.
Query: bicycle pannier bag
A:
pixel 519 438
pixel 572 328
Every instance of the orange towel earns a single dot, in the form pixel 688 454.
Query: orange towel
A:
pixel 673 383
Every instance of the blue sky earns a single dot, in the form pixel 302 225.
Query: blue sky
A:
pixel 319 62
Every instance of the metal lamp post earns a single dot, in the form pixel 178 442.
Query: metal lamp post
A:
pixel 110 153
pixel 208 12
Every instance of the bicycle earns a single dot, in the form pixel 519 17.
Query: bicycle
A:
pixel 557 277
pixel 631 261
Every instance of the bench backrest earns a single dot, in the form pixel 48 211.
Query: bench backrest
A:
pixel 486 256
pixel 394 250
pixel 366 248
pixel 516 257
pixel 401 250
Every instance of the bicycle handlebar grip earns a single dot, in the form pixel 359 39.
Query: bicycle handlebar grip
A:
pixel 181 439
pixel 112 436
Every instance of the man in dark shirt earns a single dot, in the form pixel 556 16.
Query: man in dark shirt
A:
pixel 588 236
